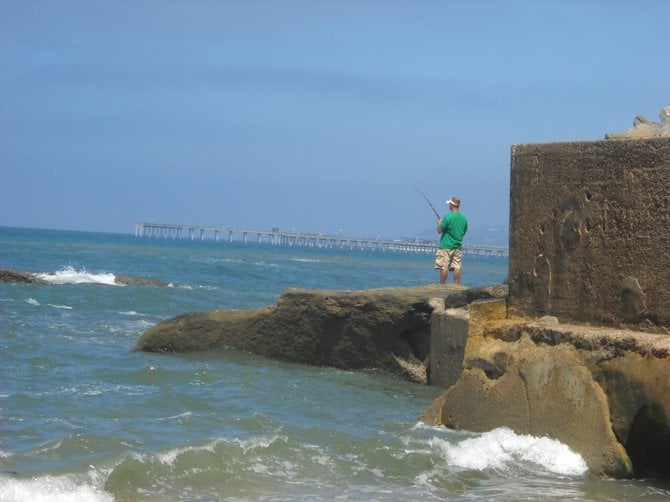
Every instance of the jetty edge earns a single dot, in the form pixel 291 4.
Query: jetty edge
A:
pixel 384 329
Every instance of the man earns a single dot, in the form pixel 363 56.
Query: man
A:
pixel 449 255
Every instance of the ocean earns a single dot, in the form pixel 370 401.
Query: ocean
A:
pixel 83 417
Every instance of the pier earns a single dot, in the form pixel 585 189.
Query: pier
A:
pixel 279 237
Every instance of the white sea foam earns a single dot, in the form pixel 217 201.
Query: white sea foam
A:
pixel 70 275
pixel 64 307
pixel 181 415
pixel 254 443
pixel 130 313
pixel 502 449
pixel 247 446
pixel 143 324
pixel 51 489
pixel 32 301
pixel 265 264
pixel 171 455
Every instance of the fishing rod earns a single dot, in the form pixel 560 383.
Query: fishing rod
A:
pixel 431 206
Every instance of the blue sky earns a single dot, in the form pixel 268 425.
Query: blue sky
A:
pixel 315 116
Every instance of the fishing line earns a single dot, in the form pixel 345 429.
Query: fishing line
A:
pixel 431 206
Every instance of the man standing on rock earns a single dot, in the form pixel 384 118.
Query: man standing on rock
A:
pixel 449 255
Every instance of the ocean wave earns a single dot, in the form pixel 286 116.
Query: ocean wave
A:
pixel 247 445
pixel 503 450
pixel 265 264
pixel 50 488
pixel 64 307
pixel 186 414
pixel 222 466
pixel 209 288
pixel 130 313
pixel 70 275
pixel 306 260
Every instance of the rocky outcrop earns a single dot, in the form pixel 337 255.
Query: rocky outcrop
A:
pixel 384 329
pixel 603 392
pixel 9 275
pixel 589 239
pixel 139 281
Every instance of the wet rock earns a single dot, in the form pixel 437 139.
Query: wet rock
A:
pixel 139 281
pixel 604 392
pixel 9 275
pixel 384 329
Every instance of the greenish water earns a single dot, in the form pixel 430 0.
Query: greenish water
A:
pixel 83 417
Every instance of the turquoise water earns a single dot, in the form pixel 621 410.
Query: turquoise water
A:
pixel 83 417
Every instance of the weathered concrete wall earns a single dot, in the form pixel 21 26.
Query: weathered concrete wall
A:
pixel 590 231
pixel 448 336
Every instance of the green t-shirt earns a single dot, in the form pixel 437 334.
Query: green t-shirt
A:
pixel 453 227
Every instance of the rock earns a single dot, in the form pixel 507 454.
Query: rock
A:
pixel 642 128
pixel 603 392
pixel 664 131
pixel 645 128
pixel 384 329
pixel 139 281
pixel 8 275
pixel 548 319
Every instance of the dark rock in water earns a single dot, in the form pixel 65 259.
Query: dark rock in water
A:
pixel 8 275
pixel 139 281
pixel 385 329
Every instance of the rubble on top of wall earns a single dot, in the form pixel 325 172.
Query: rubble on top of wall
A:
pixel 645 128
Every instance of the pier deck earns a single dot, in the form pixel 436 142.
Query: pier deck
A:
pixel 279 237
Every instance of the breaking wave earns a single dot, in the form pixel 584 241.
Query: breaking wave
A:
pixel 51 489
pixel 70 275
pixel 502 449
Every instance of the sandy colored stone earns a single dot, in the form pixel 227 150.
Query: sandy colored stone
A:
pixel 604 392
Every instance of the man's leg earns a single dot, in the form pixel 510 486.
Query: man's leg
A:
pixel 444 272
pixel 456 259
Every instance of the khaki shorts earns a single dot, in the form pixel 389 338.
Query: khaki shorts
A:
pixel 448 259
